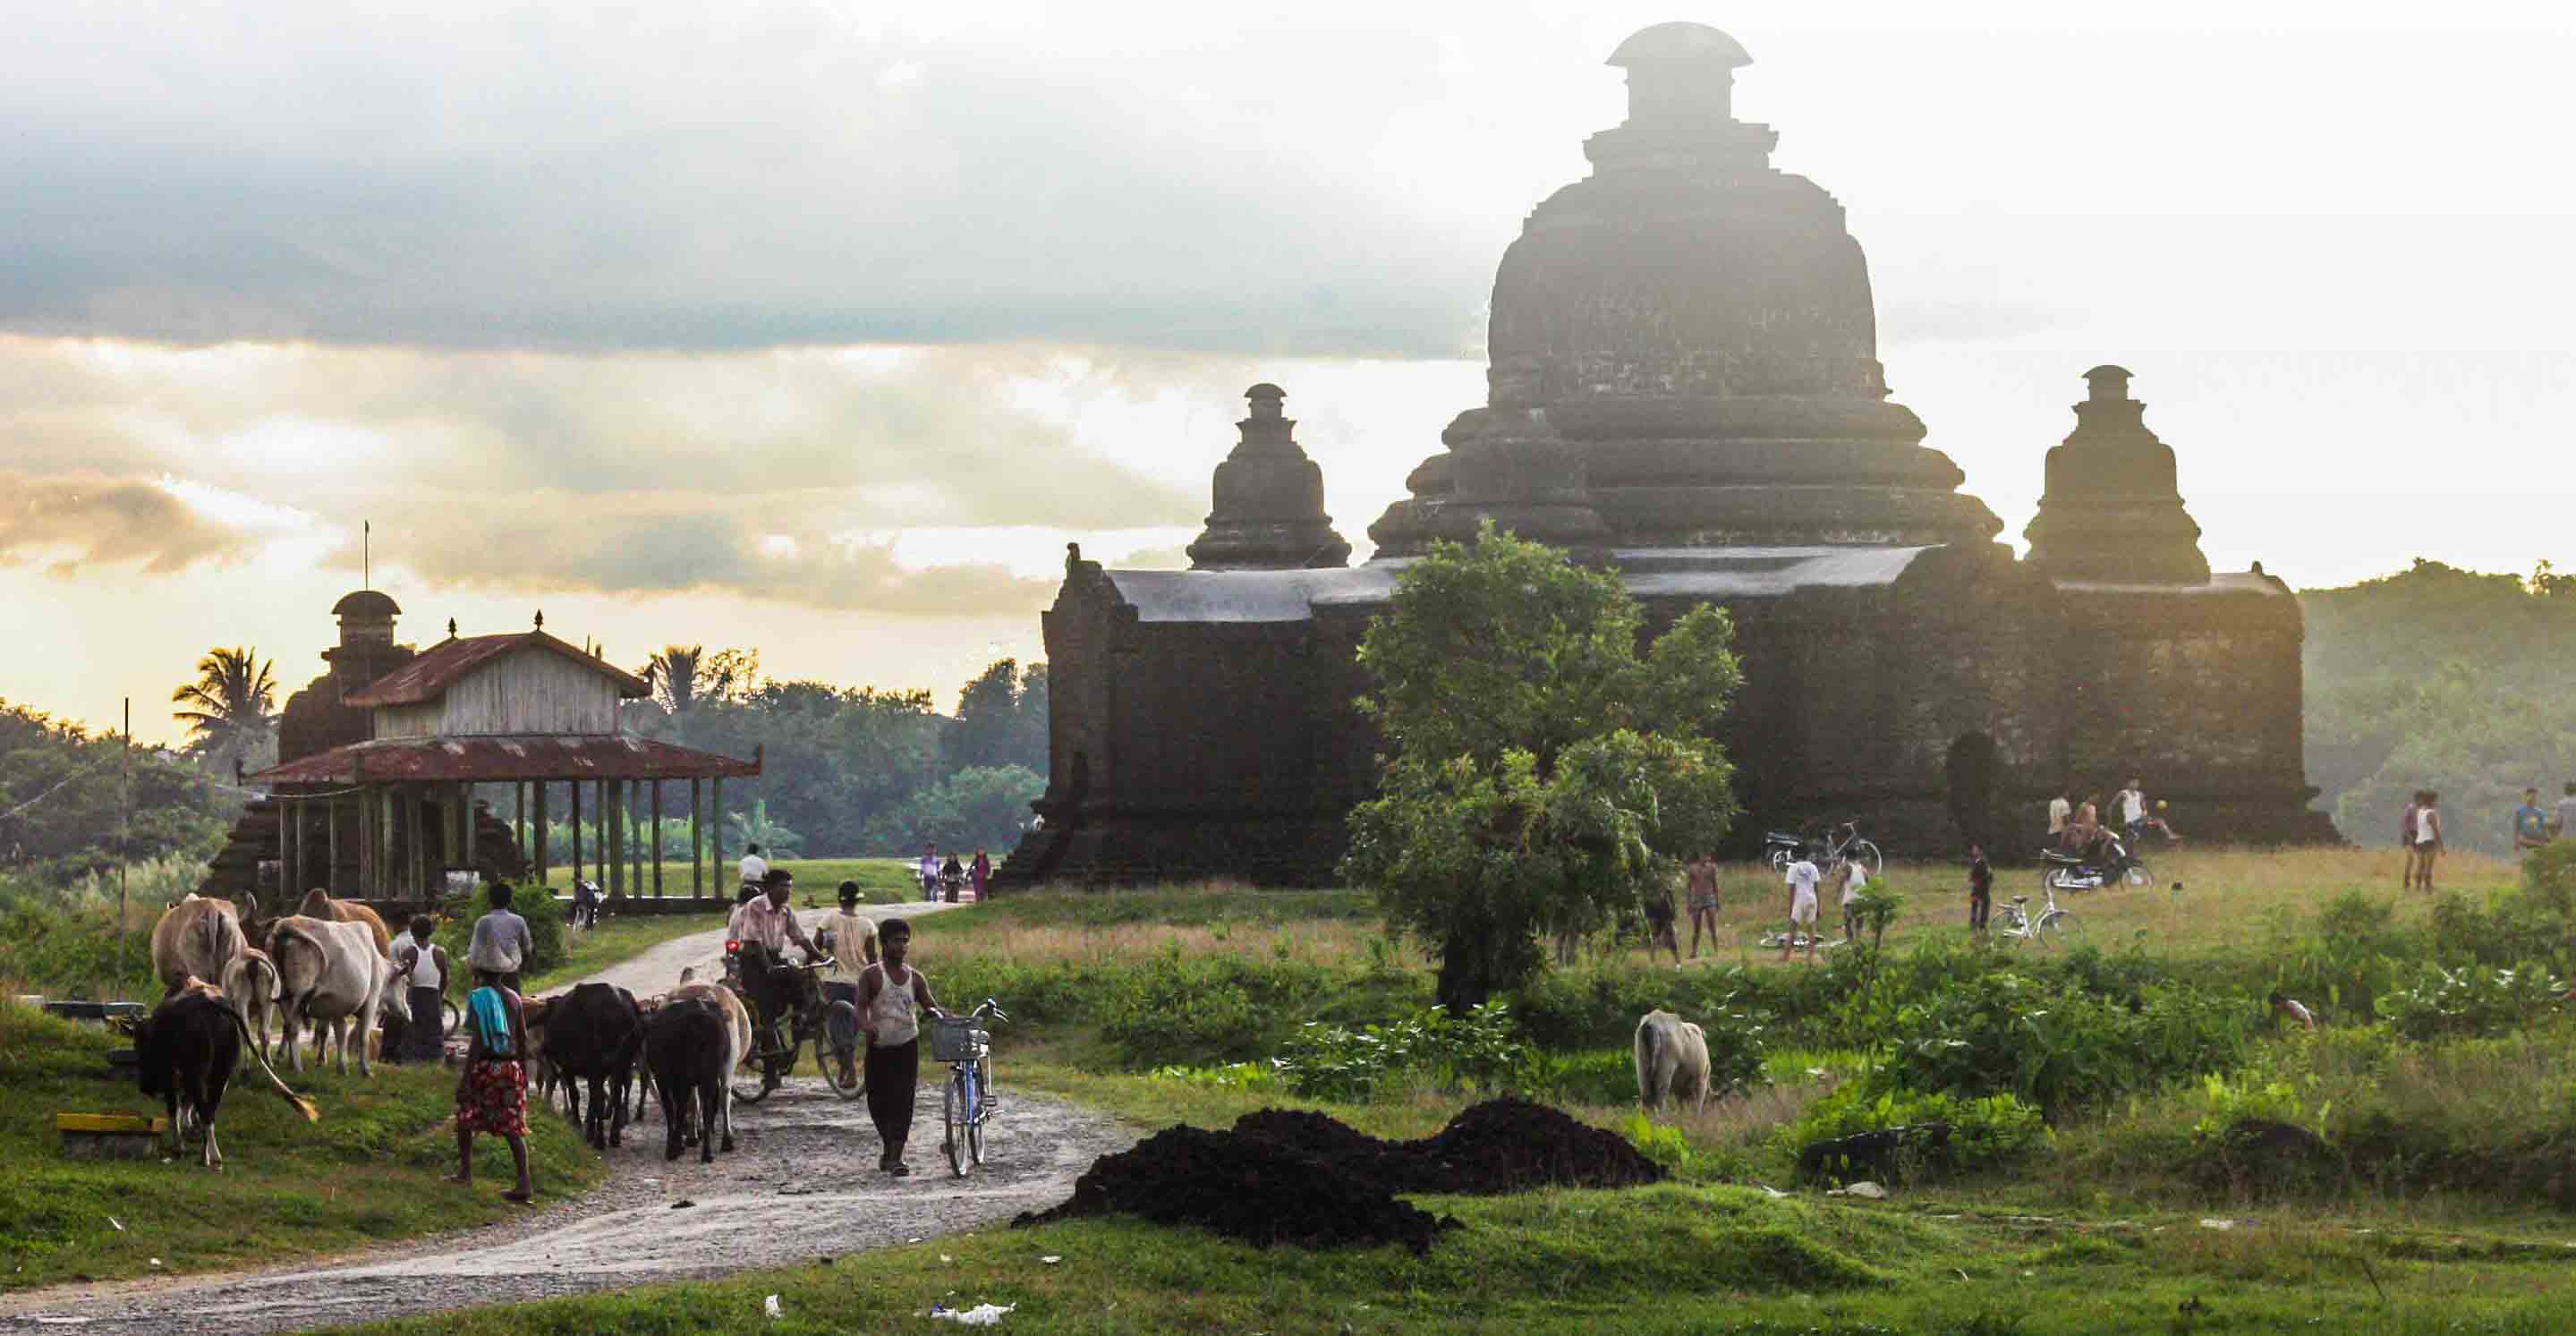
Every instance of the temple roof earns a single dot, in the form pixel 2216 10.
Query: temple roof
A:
pixel 427 677
pixel 1676 42
pixel 366 603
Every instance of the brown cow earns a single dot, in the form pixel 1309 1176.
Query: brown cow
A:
pixel 197 937
pixel 319 904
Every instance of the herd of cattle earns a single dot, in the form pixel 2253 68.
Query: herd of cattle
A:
pixel 330 967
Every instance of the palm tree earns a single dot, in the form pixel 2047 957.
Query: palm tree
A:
pixel 676 673
pixel 232 704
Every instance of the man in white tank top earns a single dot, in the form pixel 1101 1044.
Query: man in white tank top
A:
pixel 423 964
pixel 893 997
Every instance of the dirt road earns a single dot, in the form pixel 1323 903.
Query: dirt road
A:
pixel 802 1183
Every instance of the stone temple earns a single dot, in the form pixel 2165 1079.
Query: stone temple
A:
pixel 1684 385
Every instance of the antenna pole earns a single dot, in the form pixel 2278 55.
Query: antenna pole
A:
pixel 124 839
pixel 366 554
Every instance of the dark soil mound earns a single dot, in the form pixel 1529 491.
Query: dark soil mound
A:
pixel 1511 1145
pixel 1247 1188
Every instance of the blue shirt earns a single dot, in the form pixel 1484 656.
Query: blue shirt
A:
pixel 2530 823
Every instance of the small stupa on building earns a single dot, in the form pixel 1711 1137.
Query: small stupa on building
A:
pixel 1269 502
pixel 2112 512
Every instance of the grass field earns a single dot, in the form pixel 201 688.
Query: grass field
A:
pixel 369 1171
pixel 814 877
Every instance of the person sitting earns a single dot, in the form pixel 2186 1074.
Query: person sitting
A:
pixel 768 923
pixel 585 904
pixel 755 872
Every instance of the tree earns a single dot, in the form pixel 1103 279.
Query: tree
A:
pixel 677 672
pixel 1544 775
pixel 1001 719
pixel 233 706
pixel 980 808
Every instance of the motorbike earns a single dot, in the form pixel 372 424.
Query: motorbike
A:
pixel 2108 861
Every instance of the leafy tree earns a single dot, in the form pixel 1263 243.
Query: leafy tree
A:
pixel 232 706
pixel 755 827
pixel 677 673
pixel 1001 719
pixel 979 808
pixel 1545 775
pixel 63 809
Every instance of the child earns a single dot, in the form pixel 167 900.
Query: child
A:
pixel 1981 887
pixel 1855 884
pixel 1703 900
pixel 1802 876
pixel 492 1091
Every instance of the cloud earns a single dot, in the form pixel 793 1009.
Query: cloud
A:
pixel 81 521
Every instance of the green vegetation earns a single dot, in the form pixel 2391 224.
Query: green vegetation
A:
pixel 369 1171
pixel 2440 678
pixel 1543 774
pixel 63 805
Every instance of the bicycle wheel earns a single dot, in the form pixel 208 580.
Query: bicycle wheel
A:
pixel 1865 853
pixel 2060 928
pixel 755 1091
pixel 827 1060
pixel 952 1103
pixel 1779 860
pixel 452 1018
pixel 983 1112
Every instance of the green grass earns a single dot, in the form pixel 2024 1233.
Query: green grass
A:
pixel 814 876
pixel 368 1172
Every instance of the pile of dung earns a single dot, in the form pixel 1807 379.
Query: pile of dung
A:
pixel 1246 1188
pixel 1501 1145
pixel 1303 1178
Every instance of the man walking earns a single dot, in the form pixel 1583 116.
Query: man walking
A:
pixel 853 940
pixel 500 945
pixel 1981 887
pixel 2530 824
pixel 893 997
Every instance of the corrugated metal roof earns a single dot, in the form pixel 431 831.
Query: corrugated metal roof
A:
pixel 502 758
pixel 436 668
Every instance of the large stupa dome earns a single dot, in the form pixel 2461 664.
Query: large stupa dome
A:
pixel 1687 339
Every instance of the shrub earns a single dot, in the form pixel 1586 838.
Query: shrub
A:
pixel 1197 1009
pixel 2055 1047
pixel 1343 1063
pixel 1985 1130
pixel 2472 1000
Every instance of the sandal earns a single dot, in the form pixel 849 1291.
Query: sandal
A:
pixel 901 1170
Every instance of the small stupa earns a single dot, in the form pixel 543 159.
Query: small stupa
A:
pixel 1269 504
pixel 2111 513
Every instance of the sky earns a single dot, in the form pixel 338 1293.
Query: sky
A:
pixel 821 327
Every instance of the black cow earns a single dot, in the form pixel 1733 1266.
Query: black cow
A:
pixel 186 1053
pixel 593 1034
pixel 684 1049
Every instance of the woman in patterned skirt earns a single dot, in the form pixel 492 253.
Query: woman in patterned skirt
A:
pixel 492 1091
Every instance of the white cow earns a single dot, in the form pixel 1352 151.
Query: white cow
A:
pixel 1672 1059
pixel 196 937
pixel 737 1029
pixel 250 980
pixel 330 973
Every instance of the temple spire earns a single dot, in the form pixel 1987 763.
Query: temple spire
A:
pixel 1269 499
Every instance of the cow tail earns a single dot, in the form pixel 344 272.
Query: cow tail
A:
pixel 312 1112
pixel 1648 1037
pixel 285 937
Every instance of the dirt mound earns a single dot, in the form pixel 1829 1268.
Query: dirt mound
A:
pixel 1511 1145
pixel 1247 1188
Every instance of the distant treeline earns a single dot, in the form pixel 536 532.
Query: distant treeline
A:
pixel 2445 679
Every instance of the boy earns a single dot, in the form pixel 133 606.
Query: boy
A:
pixel 492 1091
pixel 1802 876
pixel 1981 887
pixel 852 937
pixel 893 997
pixel 1702 874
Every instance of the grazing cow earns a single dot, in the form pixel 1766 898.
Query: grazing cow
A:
pixel 684 1049
pixel 318 904
pixel 330 973
pixel 186 1053
pixel 535 1012
pixel 250 981
pixel 1672 1059
pixel 737 1039
pixel 593 1034
pixel 198 936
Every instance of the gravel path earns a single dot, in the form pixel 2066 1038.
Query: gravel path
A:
pixel 802 1183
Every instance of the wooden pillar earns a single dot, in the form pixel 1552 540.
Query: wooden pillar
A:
pixel 519 819
pixel 599 830
pixel 654 844
pixel 697 845
pixel 331 847
pixel 612 834
pixel 365 833
pixel 575 788
pixel 465 801
pixel 723 888
pixel 412 799
pixel 543 843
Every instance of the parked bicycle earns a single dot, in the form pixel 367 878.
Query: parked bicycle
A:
pixel 1843 841
pixel 968 1102
pixel 2051 926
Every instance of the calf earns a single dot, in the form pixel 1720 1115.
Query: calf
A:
pixel 186 1052
pixel 737 1034
pixel 593 1034
pixel 685 1047
pixel 1672 1059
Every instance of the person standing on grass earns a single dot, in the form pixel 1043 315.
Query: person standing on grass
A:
pixel 2530 824
pixel 2406 837
pixel 893 997
pixel 500 944
pixel 928 869
pixel 2428 838
pixel 852 937
pixel 423 966
pixel 1701 877
pixel 1981 887
pixel 981 873
pixel 1802 876
pixel 2060 811
pixel 1852 880
pixel 1659 924
pixel 492 1091
pixel 2133 809
pixel 2565 818
pixel 952 879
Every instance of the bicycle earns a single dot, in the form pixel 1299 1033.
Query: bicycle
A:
pixel 967 1104
pixel 832 1027
pixel 1844 841
pixel 2052 926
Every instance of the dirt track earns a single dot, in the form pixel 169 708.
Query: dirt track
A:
pixel 802 1183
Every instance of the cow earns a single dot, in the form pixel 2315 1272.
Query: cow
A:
pixel 319 904
pixel 186 1052
pixel 197 937
pixel 685 1045
pixel 330 973
pixel 737 1039
pixel 1672 1059
pixel 250 981
pixel 593 1034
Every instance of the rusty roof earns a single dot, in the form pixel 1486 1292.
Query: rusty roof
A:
pixel 501 758
pixel 434 670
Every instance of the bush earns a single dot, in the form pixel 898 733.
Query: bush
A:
pixel 1478 1050
pixel 1225 1008
pixel 1991 1129
pixel 2056 1047
pixel 2472 1000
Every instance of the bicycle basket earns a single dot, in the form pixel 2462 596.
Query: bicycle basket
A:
pixel 955 1039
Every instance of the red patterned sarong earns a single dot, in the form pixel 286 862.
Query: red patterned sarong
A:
pixel 495 1098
